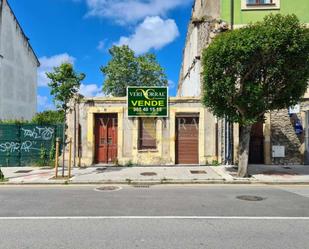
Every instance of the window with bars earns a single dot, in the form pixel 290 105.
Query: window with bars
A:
pixel 147 134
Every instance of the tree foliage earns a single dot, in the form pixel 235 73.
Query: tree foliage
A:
pixel 262 67
pixel 64 84
pixel 48 117
pixel 126 69
pixel 256 69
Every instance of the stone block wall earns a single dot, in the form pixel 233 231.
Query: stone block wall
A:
pixel 283 134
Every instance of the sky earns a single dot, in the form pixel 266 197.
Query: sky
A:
pixel 82 31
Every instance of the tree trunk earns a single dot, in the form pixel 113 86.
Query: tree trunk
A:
pixel 244 145
pixel 64 141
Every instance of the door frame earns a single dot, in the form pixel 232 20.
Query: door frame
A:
pixel 89 158
pixel 186 115
pixel 96 133
pixel 174 111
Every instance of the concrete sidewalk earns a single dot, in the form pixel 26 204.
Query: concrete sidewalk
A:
pixel 157 175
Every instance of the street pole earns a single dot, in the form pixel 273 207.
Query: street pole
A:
pixel 63 146
pixel 56 156
pixel 70 159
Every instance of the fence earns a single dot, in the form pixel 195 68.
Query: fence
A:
pixel 27 144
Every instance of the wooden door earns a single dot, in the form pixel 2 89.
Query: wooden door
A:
pixel 187 140
pixel 256 151
pixel 106 129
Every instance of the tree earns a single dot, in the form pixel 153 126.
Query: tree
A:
pixel 64 84
pixel 251 71
pixel 126 69
pixel 48 117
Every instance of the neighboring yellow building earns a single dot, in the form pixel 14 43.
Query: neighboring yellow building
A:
pixel 104 134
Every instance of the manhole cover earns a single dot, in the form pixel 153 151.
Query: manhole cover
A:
pixel 198 172
pixel 107 188
pixel 22 171
pixel 148 174
pixel 250 198
pixel 101 169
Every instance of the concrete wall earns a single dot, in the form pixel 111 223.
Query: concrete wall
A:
pixel 18 70
pixel 128 131
pixel 203 25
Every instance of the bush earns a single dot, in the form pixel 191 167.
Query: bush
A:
pixel 49 117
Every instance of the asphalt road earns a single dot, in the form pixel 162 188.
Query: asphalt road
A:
pixel 187 217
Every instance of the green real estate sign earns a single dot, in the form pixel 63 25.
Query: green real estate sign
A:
pixel 147 101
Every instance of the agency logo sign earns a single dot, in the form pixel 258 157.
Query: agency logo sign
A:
pixel 147 101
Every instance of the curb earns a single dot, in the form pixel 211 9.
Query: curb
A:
pixel 157 182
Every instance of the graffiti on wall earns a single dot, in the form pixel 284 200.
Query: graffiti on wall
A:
pixel 44 133
pixel 33 136
pixel 13 147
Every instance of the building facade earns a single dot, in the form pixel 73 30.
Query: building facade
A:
pixel 103 133
pixel 283 138
pixel 18 69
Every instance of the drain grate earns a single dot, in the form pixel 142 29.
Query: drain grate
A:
pixel 23 171
pixel 195 172
pixel 107 188
pixel 46 168
pixel 287 167
pixel 148 174
pixel 141 186
pixel 250 198
pixel 279 173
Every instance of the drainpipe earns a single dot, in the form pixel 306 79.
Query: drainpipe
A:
pixel 228 127
pixel 75 136
pixel 232 14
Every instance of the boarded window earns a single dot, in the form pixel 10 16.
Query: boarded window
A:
pixel 147 133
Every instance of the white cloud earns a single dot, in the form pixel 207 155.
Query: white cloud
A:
pixel 91 90
pixel 44 103
pixel 171 84
pixel 152 33
pixel 48 63
pixel 101 45
pixel 128 11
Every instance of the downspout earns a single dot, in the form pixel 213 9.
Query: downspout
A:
pixel 232 14
pixel 75 136
pixel 227 126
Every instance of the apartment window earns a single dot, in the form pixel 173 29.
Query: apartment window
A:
pixel 260 2
pixel 147 131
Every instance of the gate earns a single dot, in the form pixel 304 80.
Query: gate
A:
pixel 27 144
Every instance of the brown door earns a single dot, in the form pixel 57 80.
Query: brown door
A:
pixel 187 140
pixel 106 128
pixel 256 151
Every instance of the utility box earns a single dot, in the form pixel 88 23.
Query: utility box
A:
pixel 278 151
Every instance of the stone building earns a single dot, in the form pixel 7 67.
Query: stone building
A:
pixel 103 133
pixel 18 69
pixel 279 140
